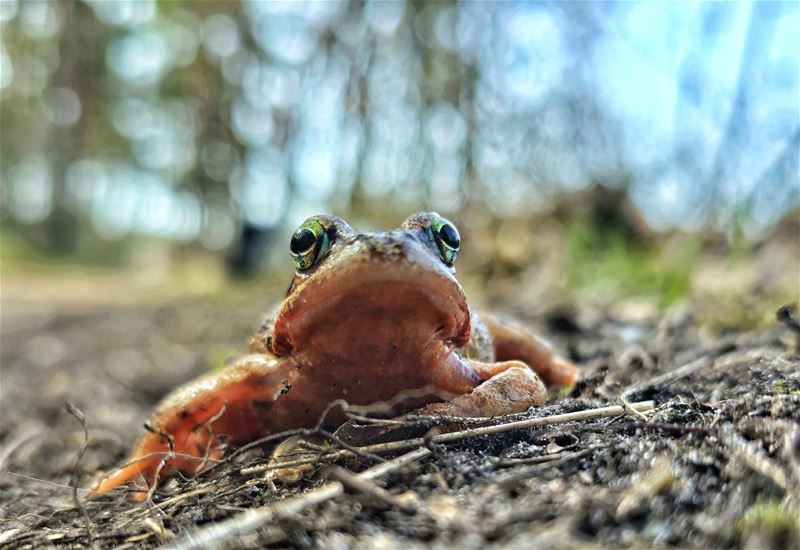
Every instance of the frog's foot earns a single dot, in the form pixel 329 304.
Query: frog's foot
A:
pixel 509 387
pixel 513 341
pixel 191 427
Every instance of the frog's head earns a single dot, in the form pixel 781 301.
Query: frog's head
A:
pixel 373 294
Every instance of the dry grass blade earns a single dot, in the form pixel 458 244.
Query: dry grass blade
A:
pixel 164 504
pixel 404 444
pixel 628 408
pixel 589 414
pixel 215 534
pixel 673 375
pixel 255 518
pixel 360 485
pixel 754 457
pixel 546 459
pixel 76 412
pixel 524 474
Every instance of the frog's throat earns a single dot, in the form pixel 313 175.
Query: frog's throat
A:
pixel 395 307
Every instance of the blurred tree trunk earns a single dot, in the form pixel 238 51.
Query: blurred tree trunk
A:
pixel 61 230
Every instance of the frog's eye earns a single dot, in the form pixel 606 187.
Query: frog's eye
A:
pixel 445 239
pixel 310 242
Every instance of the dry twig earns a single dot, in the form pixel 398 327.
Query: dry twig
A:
pixel 525 474
pixel 673 375
pixel 355 483
pixel 629 409
pixel 257 517
pixel 252 519
pixel 162 505
pixel 76 412
pixel 754 457
pixel 544 459
pixel 392 446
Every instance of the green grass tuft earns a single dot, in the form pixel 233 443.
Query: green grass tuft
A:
pixel 771 522
pixel 614 265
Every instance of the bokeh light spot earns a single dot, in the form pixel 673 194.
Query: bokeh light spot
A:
pixel 62 106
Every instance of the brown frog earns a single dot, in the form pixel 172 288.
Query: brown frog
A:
pixel 368 317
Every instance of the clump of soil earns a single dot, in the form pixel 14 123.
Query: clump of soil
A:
pixel 716 464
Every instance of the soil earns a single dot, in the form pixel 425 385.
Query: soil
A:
pixel 716 465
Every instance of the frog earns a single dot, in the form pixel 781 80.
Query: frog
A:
pixel 369 318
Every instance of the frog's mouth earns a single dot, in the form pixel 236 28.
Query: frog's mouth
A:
pixel 377 303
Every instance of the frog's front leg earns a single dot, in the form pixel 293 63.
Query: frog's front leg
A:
pixel 486 388
pixel 192 425
pixel 513 341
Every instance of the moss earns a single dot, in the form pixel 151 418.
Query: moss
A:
pixel 786 387
pixel 771 523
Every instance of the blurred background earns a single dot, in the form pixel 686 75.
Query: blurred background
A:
pixel 624 176
pixel 593 147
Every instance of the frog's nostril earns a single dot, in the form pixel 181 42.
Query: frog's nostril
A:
pixel 385 246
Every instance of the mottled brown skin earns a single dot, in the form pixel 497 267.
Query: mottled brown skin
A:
pixel 381 314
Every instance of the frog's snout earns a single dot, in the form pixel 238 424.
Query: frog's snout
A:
pixel 400 247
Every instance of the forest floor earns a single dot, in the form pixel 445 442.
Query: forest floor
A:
pixel 715 463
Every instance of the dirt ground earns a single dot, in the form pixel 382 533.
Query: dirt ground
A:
pixel 717 464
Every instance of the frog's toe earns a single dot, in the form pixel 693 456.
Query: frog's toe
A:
pixel 153 459
pixel 563 373
pixel 514 389
pixel 134 474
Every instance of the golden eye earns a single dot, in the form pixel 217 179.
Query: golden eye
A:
pixel 310 242
pixel 445 239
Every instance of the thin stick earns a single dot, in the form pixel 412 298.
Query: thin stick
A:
pixel 254 518
pixel 524 474
pixel 391 446
pixel 369 420
pixel 164 461
pixel 628 408
pixel 46 482
pixel 357 450
pixel 642 406
pixel 78 414
pixel 163 504
pixel 257 517
pixel 673 375
pixel 544 459
pixel 359 484
pixel 209 425
pixel 754 457
pixel 285 434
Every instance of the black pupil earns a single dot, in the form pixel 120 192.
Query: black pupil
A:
pixel 449 236
pixel 302 240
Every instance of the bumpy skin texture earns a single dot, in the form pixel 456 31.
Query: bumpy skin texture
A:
pixel 380 316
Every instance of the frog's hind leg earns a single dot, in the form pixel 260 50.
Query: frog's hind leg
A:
pixel 191 427
pixel 513 341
